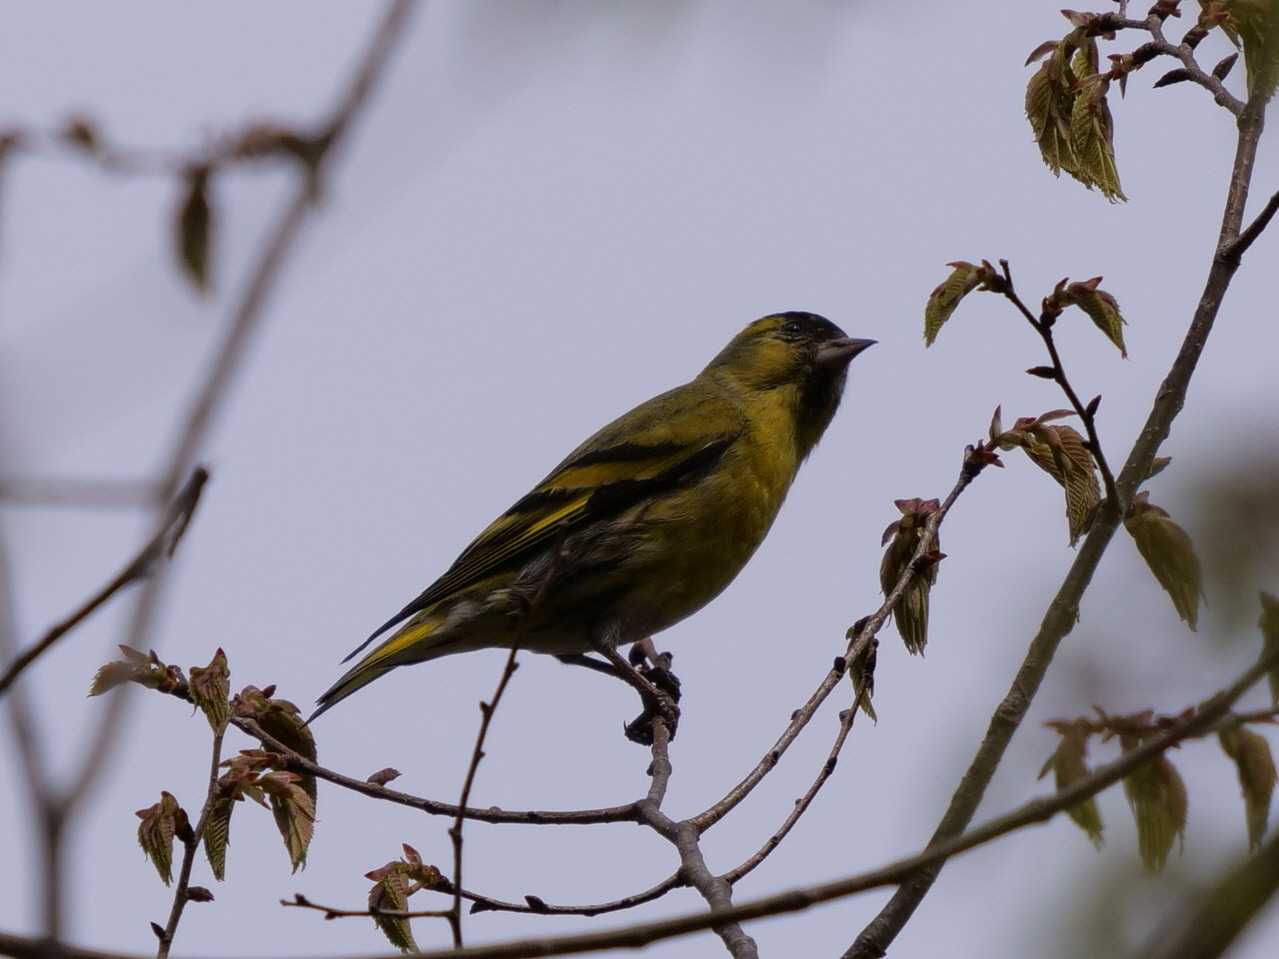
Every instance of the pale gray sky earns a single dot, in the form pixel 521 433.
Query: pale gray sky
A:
pixel 551 212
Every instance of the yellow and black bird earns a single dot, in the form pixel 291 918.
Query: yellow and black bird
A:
pixel 643 524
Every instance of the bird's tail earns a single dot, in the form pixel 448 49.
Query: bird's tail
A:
pixel 411 643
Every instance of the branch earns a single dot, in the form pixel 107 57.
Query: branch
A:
pixel 1239 247
pixel 335 912
pixel 1196 73
pixel 455 833
pixel 1208 928
pixel 180 896
pixel 1063 612
pixel 538 906
pixel 801 805
pixel 161 545
pixel 1202 720
pixel 1043 326
pixel 859 642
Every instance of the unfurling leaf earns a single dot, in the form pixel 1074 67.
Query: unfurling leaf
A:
pixel 1158 799
pixel 160 823
pixel 1069 766
pixel 964 278
pixel 109 676
pixel 1060 452
pixel 391 892
pixel 1169 553
pixel 1101 307
pixel 294 812
pixel 1269 624
pixel 136 667
pixel 861 673
pixel 217 836
pixel 281 719
pixel 1256 766
pixel 210 688
pixel 1050 98
pixel 911 614
pixel 1092 131
pixel 194 231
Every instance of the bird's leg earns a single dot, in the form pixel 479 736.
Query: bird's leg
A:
pixel 659 668
pixel 589 662
pixel 658 702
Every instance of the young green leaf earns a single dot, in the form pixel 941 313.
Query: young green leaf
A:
pixel 1101 307
pixel 964 278
pixel 911 614
pixel 1170 554
pixel 283 720
pixel 1069 765
pixel 1060 452
pixel 1092 131
pixel 210 688
pixel 293 810
pixel 1158 799
pixel 160 823
pixel 217 836
pixel 1050 98
pixel 1256 767
pixel 391 892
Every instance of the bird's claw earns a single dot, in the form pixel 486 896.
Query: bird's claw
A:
pixel 661 706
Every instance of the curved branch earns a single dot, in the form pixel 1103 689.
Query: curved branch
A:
pixel 538 906
pixel 161 545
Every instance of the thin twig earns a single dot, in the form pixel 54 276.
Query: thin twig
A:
pixel 1043 327
pixel 455 833
pixel 1063 611
pixel 161 545
pixel 191 844
pixel 733 876
pixel 1038 810
pixel 1195 72
pixel 857 646
pixel 538 906
pixel 335 912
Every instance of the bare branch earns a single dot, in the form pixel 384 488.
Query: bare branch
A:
pixel 1239 247
pixel 335 912
pixel 455 833
pixel 160 546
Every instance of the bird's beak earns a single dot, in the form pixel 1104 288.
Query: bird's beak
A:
pixel 840 352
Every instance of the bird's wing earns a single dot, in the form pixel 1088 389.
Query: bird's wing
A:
pixel 669 442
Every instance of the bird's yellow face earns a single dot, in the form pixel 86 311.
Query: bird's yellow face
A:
pixel 792 361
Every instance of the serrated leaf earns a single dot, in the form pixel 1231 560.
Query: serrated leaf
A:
pixel 1269 623
pixel 1170 554
pixel 1050 96
pixel 1101 307
pixel 390 892
pixel 1092 138
pixel 911 613
pixel 217 836
pixel 964 278
pixel 156 831
pixel 109 676
pixel 1159 802
pixel 194 229
pixel 293 810
pixel 1060 452
pixel 210 688
pixel 1069 766
pixel 1256 767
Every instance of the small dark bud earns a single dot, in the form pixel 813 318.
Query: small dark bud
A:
pixel 1222 69
pixel 383 776
pixel 839 665
pixel 1043 372
pixel 1093 405
pixel 1180 75
pixel 199 894
pixel 830 765
pixel 159 931
pixel 268 691
pixel 536 904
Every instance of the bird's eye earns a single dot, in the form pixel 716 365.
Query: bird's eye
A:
pixel 791 330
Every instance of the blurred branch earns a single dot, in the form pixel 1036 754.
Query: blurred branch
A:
pixel 1208 927
pixel 1063 611
pixel 161 546
pixel 1198 722
pixel 98 494
pixel 191 843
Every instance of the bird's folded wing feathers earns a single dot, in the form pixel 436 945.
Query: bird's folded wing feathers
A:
pixel 621 465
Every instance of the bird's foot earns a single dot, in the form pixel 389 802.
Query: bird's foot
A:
pixel 661 704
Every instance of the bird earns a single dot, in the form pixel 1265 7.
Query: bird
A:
pixel 645 522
